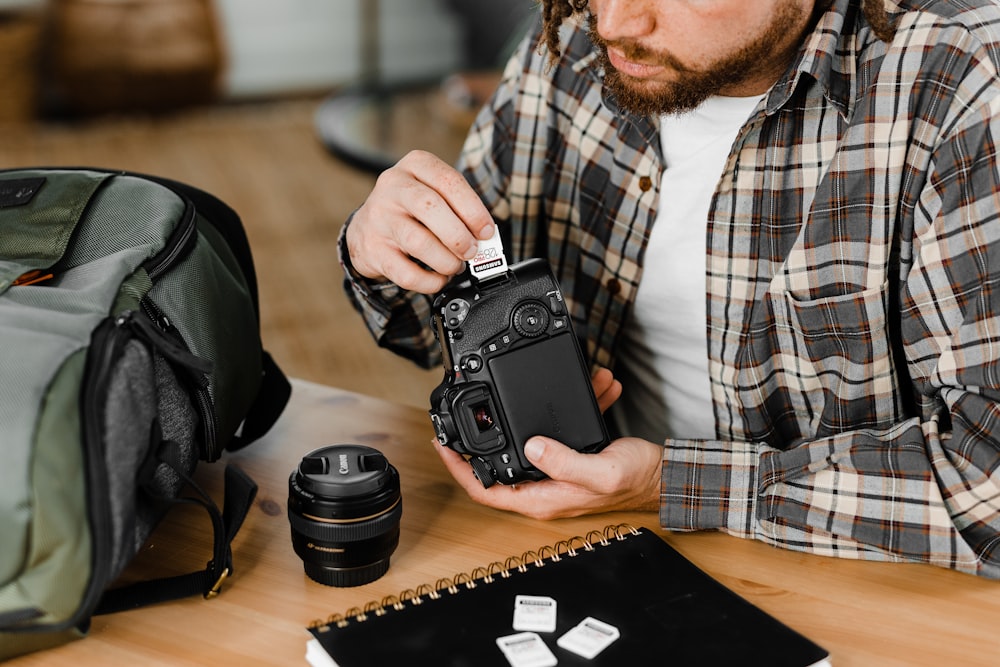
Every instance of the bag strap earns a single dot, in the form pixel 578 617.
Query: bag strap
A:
pixel 271 399
pixel 240 491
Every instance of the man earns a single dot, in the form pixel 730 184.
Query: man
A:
pixel 779 222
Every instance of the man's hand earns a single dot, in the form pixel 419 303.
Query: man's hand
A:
pixel 420 210
pixel 624 476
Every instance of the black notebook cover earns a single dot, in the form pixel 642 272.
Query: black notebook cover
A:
pixel 666 610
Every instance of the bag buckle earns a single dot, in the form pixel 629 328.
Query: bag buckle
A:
pixel 217 587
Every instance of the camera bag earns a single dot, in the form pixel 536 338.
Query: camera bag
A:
pixel 130 352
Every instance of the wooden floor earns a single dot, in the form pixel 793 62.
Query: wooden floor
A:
pixel 264 160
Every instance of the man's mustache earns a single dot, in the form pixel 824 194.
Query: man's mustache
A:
pixel 636 52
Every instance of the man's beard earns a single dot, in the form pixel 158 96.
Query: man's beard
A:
pixel 692 87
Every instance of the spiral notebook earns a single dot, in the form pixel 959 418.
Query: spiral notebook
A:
pixel 626 589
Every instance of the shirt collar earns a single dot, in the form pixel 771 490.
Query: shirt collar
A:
pixel 586 62
pixel 829 57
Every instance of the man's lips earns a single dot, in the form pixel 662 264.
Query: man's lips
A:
pixel 631 67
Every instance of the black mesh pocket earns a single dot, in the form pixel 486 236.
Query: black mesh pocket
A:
pixel 145 406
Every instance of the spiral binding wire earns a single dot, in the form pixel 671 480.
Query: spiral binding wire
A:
pixel 479 576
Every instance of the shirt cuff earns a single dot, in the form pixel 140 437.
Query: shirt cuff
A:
pixel 709 485
pixel 373 297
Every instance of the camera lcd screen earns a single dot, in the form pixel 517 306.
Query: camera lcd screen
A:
pixel 545 390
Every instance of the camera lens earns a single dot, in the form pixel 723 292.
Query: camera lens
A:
pixel 344 506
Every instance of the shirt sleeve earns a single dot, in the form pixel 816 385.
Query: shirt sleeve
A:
pixel 398 320
pixel 926 489
pixel 895 496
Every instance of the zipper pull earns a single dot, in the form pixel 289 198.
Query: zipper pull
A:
pixel 32 278
pixel 143 327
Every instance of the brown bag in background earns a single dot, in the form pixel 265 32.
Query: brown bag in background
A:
pixel 134 55
pixel 20 38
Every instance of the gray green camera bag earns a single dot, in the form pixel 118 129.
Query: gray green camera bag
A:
pixel 130 351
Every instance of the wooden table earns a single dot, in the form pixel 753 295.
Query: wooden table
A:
pixel 863 613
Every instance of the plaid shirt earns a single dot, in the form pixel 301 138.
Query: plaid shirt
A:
pixel 853 342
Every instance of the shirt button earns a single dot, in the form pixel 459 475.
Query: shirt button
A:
pixel 613 285
pixel 645 183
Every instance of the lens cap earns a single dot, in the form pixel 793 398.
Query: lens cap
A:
pixel 344 471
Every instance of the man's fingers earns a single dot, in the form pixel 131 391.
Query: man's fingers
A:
pixel 420 224
pixel 497 496
pixel 411 276
pixel 455 191
pixel 623 476
pixel 416 240
pixel 559 461
pixel 429 209
pixel 606 388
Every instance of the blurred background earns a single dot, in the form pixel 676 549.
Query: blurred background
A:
pixel 285 109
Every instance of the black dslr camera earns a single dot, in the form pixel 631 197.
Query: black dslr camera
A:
pixel 513 369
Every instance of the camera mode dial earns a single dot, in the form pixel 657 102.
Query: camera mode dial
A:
pixel 531 319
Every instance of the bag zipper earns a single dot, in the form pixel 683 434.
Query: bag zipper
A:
pixel 178 245
pixel 158 327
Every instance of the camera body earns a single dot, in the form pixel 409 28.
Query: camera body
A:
pixel 513 369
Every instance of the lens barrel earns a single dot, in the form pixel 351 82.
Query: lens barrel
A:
pixel 344 507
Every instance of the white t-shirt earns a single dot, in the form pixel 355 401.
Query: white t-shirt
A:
pixel 663 358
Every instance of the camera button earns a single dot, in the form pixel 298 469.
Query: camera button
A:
pixel 497 345
pixel 505 458
pixel 472 363
pixel 510 473
pixel 455 312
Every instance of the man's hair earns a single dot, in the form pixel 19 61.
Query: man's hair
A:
pixel 554 12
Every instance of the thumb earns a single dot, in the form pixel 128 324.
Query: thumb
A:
pixel 556 459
